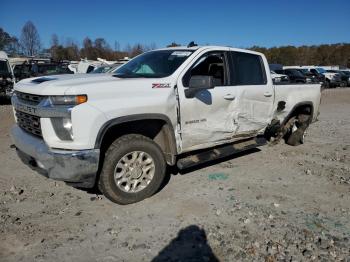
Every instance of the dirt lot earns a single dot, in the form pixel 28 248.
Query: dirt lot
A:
pixel 277 203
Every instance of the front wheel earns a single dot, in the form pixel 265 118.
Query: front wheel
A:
pixel 133 169
pixel 327 84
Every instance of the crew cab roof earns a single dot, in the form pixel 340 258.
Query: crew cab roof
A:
pixel 195 48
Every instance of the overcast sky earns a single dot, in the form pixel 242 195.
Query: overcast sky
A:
pixel 234 23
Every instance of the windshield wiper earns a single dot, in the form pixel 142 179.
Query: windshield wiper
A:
pixel 127 75
pixel 139 75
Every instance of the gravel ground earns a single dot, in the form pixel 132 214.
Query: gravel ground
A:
pixel 276 203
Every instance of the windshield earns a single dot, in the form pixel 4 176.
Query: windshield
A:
pixel 154 64
pixel 4 69
pixel 295 72
pixel 320 70
pixel 304 71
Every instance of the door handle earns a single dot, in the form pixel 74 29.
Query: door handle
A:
pixel 267 94
pixel 229 97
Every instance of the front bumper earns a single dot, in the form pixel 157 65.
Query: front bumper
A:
pixel 335 81
pixel 78 168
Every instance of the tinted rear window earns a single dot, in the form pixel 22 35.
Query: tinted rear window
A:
pixel 247 69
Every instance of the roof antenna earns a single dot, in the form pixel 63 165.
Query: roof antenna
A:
pixel 191 44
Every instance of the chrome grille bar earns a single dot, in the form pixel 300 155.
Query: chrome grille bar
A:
pixel 29 123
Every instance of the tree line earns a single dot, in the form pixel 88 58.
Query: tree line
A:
pixel 333 54
pixel 29 44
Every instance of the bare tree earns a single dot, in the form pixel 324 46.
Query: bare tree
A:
pixel 152 46
pixel 5 38
pixel 54 40
pixel 116 46
pixel 137 49
pixel 173 44
pixel 30 39
pixel 9 43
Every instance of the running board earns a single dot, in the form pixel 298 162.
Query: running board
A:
pixel 220 152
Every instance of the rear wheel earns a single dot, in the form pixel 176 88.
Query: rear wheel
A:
pixel 133 170
pixel 296 134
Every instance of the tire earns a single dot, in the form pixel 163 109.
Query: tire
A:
pixel 117 165
pixel 296 135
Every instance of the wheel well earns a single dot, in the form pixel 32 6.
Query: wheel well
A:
pixel 158 130
pixel 304 108
pixel 277 129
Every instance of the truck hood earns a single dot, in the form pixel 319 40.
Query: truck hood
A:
pixel 106 92
pixel 329 74
pixel 60 84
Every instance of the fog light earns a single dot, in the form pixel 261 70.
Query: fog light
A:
pixel 63 128
pixel 67 124
pixel 40 164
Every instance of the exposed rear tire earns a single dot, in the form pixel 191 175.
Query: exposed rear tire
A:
pixel 296 134
pixel 133 169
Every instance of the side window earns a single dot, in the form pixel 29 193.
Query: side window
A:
pixel 210 64
pixel 247 69
pixel 89 69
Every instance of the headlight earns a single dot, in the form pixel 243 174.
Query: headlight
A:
pixel 277 79
pixel 68 100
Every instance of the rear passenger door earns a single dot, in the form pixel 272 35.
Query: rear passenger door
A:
pixel 255 94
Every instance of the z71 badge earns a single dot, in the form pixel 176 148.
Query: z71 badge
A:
pixel 160 85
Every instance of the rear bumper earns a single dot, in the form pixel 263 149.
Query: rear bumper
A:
pixel 76 167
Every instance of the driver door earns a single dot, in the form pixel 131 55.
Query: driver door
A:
pixel 206 118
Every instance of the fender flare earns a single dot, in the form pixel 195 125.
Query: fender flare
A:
pixel 131 118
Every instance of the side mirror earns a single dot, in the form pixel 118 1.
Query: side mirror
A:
pixel 198 83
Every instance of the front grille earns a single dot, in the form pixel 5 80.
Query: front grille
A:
pixel 32 99
pixel 29 123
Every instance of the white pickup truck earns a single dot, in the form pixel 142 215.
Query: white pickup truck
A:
pixel 176 106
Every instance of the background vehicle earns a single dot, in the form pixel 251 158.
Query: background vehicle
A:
pixel 294 76
pixel 343 77
pixel 34 68
pixel 279 78
pixel 347 73
pixel 176 106
pixel 106 68
pixel 6 76
pixel 314 76
pixel 331 79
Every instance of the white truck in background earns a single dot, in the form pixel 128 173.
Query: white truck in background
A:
pixel 175 106
pixel 279 78
pixel 7 78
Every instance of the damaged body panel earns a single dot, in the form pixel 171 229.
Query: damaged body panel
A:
pixel 294 96
pixel 242 104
